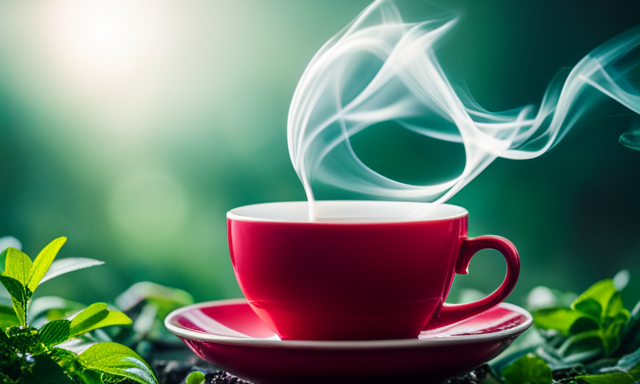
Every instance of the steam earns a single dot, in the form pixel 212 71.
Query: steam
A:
pixel 381 68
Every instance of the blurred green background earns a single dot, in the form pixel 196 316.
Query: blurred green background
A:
pixel 133 126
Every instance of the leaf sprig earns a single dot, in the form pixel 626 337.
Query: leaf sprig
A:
pixel 591 339
pixel 50 354
pixel 531 369
pixel 592 327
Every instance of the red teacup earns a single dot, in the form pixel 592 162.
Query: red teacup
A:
pixel 384 275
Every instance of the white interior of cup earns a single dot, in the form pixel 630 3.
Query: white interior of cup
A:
pixel 347 211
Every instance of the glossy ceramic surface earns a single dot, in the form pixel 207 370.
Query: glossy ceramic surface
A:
pixel 229 334
pixel 383 277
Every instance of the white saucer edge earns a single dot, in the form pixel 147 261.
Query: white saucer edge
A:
pixel 366 344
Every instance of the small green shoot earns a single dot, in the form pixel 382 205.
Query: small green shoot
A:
pixel 529 369
pixel 195 377
pixel 592 327
pixel 48 354
pixel 591 340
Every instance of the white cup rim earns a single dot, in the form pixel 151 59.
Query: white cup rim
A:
pixel 347 212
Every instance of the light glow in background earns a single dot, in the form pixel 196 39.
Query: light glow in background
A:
pixel 132 126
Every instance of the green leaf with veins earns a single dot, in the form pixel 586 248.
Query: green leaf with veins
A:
pixel 66 359
pixel 584 324
pixel 563 320
pixel 97 316
pixel 615 306
pixel 17 266
pixel 608 378
pixel 117 360
pixel 20 297
pixel 195 377
pixel 529 369
pixel 55 332
pixel 91 377
pixel 43 262
pixel 589 307
pixel 600 292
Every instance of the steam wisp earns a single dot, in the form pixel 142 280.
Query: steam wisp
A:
pixel 381 68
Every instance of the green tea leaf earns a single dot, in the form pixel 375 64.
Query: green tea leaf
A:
pixel 601 292
pixel 529 369
pixel 55 332
pixel 97 316
pixel 559 319
pixel 13 286
pixel 590 307
pixel 5 243
pixel 17 266
pixel 67 360
pixel 8 317
pixel 608 378
pixel 91 377
pixel 615 306
pixel 195 377
pixel 583 324
pixel 20 297
pixel 117 360
pixel 43 262
pixel 88 317
pixel 45 371
pixel 70 264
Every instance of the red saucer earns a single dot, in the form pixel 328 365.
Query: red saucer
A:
pixel 230 335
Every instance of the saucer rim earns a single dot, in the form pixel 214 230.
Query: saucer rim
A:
pixel 339 344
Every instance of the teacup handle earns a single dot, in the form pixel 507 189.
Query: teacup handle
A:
pixel 452 313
